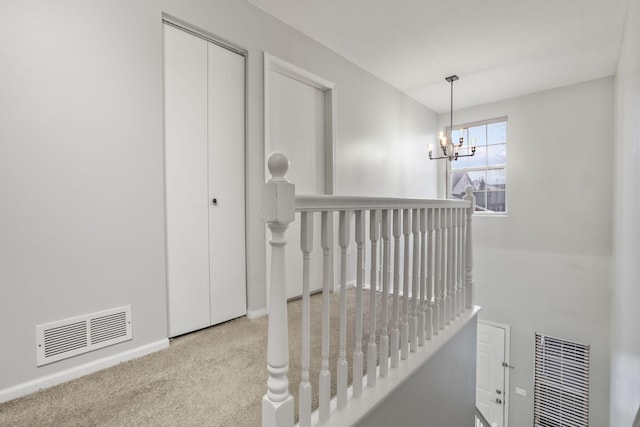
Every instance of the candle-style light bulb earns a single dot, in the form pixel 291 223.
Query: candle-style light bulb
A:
pixel 430 148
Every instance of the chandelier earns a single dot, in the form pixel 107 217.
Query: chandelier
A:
pixel 450 149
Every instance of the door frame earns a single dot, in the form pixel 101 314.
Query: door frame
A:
pixel 507 360
pixel 272 63
pixel 219 41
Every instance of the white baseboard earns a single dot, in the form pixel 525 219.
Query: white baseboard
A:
pixel 254 314
pixel 32 386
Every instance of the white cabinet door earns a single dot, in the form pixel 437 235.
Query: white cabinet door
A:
pixel 204 160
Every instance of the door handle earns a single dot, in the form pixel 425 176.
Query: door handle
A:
pixel 498 401
pixel 214 201
pixel 499 391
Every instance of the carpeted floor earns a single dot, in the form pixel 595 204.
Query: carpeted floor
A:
pixel 214 377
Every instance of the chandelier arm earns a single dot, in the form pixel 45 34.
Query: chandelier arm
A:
pixel 438 158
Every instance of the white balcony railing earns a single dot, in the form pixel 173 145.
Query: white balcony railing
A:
pixel 431 287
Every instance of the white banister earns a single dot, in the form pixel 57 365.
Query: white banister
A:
pixel 383 358
pixel 431 285
pixel 372 355
pixel 358 362
pixel 343 365
pixel 468 257
pixel 278 210
pixel 326 237
pixel 306 245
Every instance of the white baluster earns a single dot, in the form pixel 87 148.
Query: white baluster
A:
pixel 415 269
pixel 468 258
pixel 450 267
pixel 343 365
pixel 423 277
pixel 306 245
pixel 404 329
pixel 383 358
pixel 460 306
pixel 463 233
pixel 429 313
pixel 326 237
pixel 372 348
pixel 443 268
pixel 438 314
pixel 456 262
pixel 395 337
pixel 278 209
pixel 464 245
pixel 358 364
pixel 445 265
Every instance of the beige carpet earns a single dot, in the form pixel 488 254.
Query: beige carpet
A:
pixel 214 377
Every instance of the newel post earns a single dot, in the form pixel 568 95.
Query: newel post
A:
pixel 468 254
pixel 278 210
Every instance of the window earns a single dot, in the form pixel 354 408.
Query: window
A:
pixel 487 169
pixel 561 388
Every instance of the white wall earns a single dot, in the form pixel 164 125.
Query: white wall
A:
pixel 545 266
pixel 440 394
pixel 81 169
pixel 625 316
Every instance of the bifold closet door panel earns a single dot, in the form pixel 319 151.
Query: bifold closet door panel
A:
pixel 186 173
pixel 226 184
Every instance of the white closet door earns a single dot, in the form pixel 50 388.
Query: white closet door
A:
pixel 186 181
pixel 205 120
pixel 226 184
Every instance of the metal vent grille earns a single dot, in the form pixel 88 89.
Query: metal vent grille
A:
pixel 70 337
pixel 106 328
pixel 561 396
pixel 65 338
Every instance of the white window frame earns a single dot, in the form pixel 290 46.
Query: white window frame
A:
pixel 479 168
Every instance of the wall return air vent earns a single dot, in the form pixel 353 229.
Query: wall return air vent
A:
pixel 70 337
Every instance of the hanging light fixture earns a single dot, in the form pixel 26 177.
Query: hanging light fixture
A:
pixel 451 150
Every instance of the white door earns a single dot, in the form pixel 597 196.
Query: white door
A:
pixel 491 385
pixel 296 114
pixel 204 160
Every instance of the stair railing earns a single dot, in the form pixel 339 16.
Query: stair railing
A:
pixel 435 287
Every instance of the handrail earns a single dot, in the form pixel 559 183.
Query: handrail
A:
pixel 315 203
pixel 481 420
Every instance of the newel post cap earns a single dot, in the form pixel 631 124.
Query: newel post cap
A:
pixel 278 194
pixel 470 197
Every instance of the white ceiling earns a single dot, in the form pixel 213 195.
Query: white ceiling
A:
pixel 498 48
